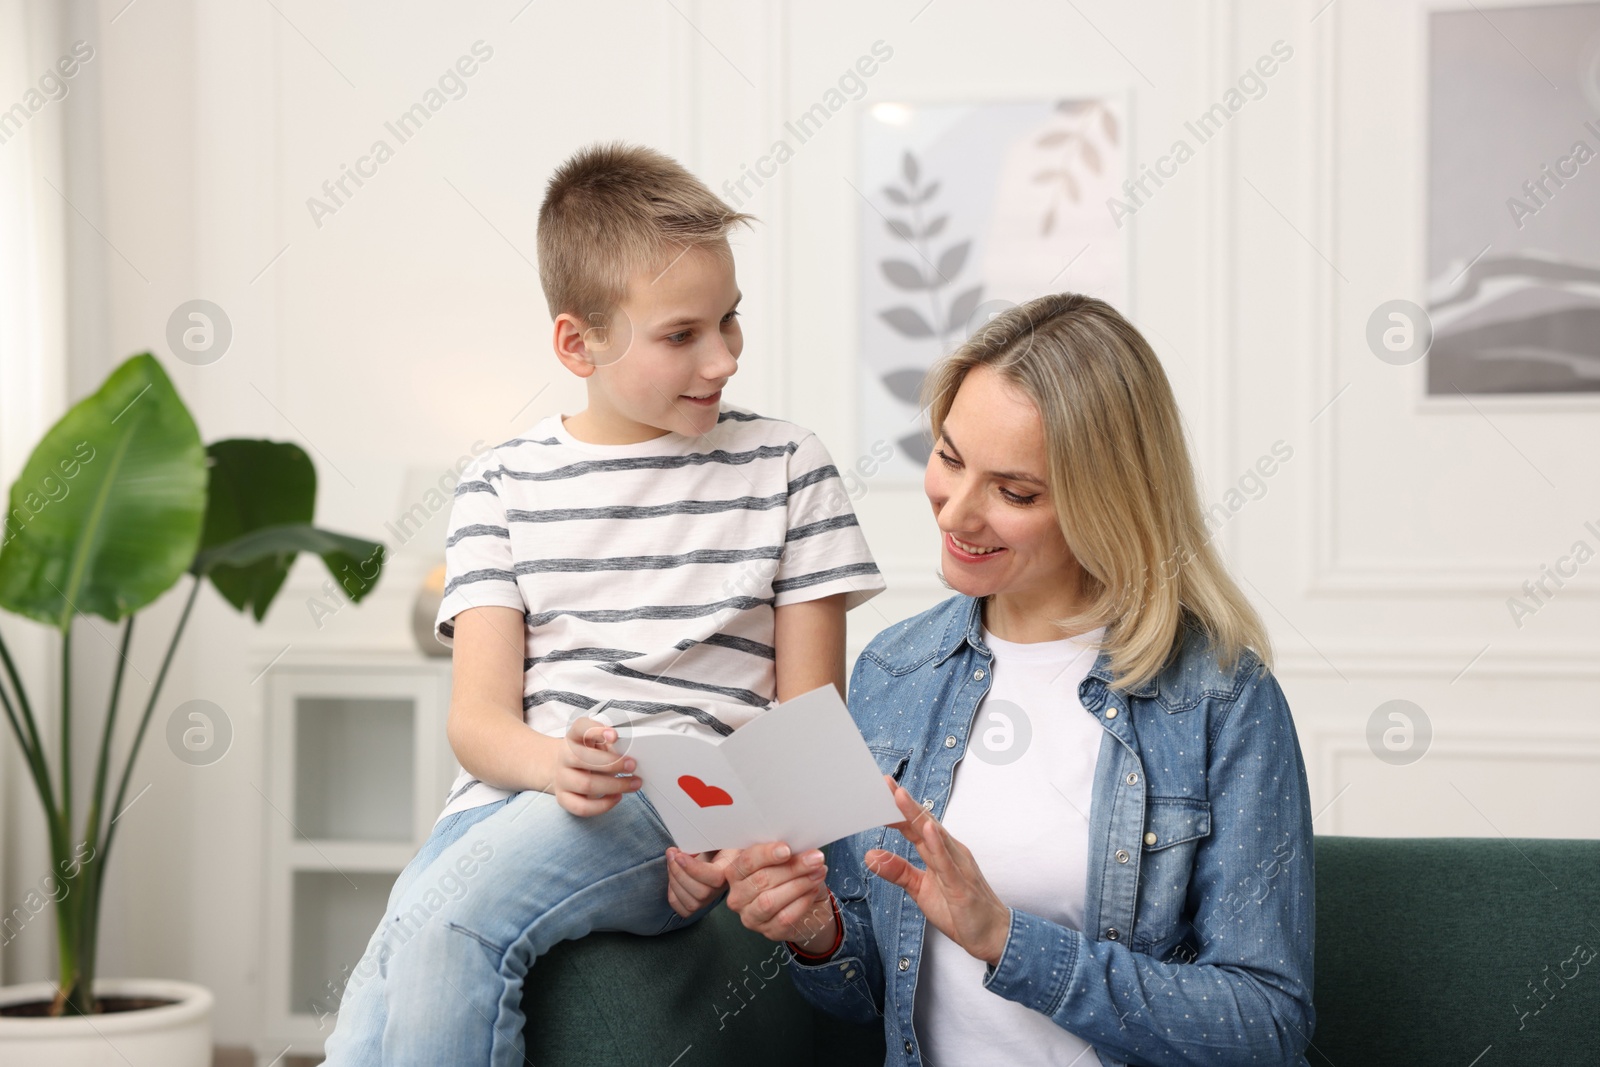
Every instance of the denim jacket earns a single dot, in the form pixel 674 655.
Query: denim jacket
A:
pixel 1199 922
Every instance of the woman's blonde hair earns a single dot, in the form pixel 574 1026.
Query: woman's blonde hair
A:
pixel 1119 473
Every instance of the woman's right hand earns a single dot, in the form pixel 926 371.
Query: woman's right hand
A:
pixel 585 781
pixel 781 896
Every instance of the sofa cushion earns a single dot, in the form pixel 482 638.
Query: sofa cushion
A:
pixel 1433 950
pixel 1429 951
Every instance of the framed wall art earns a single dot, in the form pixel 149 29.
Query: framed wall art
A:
pixel 966 209
pixel 1513 199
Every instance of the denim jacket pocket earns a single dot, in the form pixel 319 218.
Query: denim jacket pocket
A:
pixel 1172 832
pixel 891 761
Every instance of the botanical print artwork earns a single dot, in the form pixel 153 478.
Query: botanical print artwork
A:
pixel 967 209
pixel 944 315
pixel 1514 200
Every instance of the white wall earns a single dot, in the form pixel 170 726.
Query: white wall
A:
pixel 33 386
pixel 410 324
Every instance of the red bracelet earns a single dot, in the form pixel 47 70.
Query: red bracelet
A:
pixel 838 935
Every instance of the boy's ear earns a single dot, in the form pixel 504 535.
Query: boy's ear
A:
pixel 572 348
pixel 599 339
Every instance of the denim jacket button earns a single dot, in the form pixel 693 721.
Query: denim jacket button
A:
pixel 977 675
pixel 927 805
pixel 1150 838
pixel 908 1046
pixel 950 741
pixel 1132 779
pixel 905 963
pixel 1122 855
pixel 1111 713
pixel 1112 935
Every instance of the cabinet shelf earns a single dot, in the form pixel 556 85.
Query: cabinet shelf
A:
pixel 357 752
pixel 331 855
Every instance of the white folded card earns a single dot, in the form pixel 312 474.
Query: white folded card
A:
pixel 798 772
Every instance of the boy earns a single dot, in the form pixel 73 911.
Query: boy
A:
pixel 680 561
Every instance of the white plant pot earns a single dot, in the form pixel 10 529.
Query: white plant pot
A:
pixel 173 1035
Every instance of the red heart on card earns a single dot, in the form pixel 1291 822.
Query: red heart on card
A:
pixel 707 796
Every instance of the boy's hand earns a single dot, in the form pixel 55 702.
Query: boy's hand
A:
pixel 694 881
pixel 585 781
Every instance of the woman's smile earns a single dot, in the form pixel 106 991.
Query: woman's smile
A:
pixel 967 552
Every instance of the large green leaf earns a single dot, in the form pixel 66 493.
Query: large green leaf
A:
pixel 106 514
pixel 255 484
pixel 354 562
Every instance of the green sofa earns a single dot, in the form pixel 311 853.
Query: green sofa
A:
pixel 1429 951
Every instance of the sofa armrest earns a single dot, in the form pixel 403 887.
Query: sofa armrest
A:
pixel 623 999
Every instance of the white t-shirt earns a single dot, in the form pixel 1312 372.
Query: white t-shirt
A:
pixel 648 573
pixel 1020 802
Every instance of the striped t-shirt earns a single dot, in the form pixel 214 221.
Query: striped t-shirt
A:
pixel 648 573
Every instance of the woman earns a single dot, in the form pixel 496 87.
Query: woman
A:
pixel 1124 861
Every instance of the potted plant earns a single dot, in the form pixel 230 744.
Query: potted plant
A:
pixel 117 503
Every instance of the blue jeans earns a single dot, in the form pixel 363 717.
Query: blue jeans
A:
pixel 492 889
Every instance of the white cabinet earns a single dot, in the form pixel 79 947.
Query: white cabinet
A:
pixel 358 767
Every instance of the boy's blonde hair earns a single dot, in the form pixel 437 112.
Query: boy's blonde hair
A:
pixel 612 210
pixel 1119 474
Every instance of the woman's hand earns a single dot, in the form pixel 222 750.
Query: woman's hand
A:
pixel 952 892
pixel 585 780
pixel 780 896
pixel 693 881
